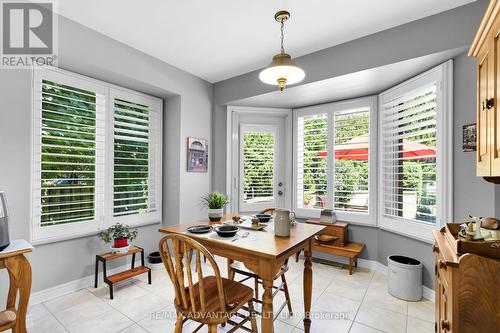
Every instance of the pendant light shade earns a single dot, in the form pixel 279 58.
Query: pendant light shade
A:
pixel 282 70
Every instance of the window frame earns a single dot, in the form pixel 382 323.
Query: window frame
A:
pixel 443 76
pixel 368 218
pixel 104 192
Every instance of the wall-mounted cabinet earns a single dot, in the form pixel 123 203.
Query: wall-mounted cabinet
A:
pixel 486 49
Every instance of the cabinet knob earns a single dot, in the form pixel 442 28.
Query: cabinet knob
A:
pixel 445 325
pixel 435 248
pixel 442 264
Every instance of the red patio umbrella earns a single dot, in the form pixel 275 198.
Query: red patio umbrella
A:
pixel 357 149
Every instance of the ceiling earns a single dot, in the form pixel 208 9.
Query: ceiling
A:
pixel 368 82
pixel 219 39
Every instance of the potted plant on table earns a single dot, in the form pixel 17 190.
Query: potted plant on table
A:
pixel 120 234
pixel 215 202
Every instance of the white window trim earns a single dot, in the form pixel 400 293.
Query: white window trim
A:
pixel 443 76
pixel 370 217
pixel 39 235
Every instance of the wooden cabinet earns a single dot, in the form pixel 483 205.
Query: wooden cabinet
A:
pixel 486 49
pixel 466 288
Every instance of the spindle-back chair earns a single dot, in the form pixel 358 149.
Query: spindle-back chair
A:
pixel 209 300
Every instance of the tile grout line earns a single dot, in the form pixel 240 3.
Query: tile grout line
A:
pixel 54 316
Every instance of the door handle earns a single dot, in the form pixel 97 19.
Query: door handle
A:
pixel 488 104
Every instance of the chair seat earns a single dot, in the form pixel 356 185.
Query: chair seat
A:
pixel 7 318
pixel 237 295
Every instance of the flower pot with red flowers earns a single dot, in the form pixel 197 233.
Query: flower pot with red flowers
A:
pixel 121 235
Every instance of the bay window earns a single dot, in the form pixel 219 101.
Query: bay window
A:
pixel 415 154
pixel 335 160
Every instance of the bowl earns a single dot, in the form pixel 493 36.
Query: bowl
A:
pixel 263 217
pixel 226 230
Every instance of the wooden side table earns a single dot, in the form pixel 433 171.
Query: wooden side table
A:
pixel 12 258
pixel 125 275
pixel 340 246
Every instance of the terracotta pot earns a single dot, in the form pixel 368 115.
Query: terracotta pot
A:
pixel 121 243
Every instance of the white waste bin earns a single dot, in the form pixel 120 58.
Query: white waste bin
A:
pixel 404 277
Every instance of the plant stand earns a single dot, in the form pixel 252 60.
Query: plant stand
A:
pixel 121 276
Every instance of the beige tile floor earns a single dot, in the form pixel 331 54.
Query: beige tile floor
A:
pixel 342 303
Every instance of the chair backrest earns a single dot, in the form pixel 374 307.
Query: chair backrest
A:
pixel 267 211
pixel 176 252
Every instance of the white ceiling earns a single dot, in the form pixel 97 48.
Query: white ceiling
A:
pixel 219 39
pixel 363 83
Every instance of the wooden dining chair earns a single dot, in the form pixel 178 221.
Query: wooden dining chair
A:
pixel 211 300
pixel 239 268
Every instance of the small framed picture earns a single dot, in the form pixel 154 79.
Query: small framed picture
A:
pixel 197 155
pixel 469 137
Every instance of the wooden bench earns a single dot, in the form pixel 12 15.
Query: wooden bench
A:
pixel 340 246
pixel 121 276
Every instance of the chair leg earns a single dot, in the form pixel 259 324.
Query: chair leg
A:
pixel 252 315
pixel 178 324
pixel 256 286
pixel 212 328
pixel 287 295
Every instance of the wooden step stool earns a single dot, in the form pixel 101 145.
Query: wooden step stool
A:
pixel 125 275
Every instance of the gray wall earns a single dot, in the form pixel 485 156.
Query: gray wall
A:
pixel 445 31
pixel 187 111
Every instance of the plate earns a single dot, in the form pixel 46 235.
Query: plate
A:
pixel 200 229
pixel 246 225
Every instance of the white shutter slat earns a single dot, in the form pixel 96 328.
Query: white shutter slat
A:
pixel 409 155
pixel 67 180
pixel 312 132
pixel 258 166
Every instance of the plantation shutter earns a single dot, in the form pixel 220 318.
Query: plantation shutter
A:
pixel 258 165
pixel 68 153
pixel 136 155
pixel 351 131
pixel 409 155
pixel 312 162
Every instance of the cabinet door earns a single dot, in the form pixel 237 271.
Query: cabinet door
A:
pixel 483 93
pixel 494 112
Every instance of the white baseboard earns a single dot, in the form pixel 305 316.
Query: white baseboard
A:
pixel 72 286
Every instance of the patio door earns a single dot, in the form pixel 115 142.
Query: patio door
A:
pixel 260 172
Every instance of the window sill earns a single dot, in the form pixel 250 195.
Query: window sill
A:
pixel 58 239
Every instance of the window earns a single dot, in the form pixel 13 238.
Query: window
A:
pixel 333 157
pixel 72 157
pixel 414 167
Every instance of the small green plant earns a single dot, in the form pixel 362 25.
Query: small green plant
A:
pixel 214 200
pixel 118 231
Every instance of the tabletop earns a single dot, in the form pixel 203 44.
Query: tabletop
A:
pixel 261 242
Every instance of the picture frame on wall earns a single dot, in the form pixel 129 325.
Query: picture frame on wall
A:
pixel 469 142
pixel 197 155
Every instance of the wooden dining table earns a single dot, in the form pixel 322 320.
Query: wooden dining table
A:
pixel 263 253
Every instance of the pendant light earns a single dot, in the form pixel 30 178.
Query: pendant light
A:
pixel 282 70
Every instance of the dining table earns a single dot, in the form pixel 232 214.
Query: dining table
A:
pixel 263 253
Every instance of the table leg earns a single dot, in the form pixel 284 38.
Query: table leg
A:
pixel 350 266
pixel 20 272
pixel 307 286
pixel 267 307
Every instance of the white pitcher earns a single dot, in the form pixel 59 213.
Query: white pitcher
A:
pixel 283 220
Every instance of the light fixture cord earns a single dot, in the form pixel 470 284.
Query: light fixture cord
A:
pixel 282 36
